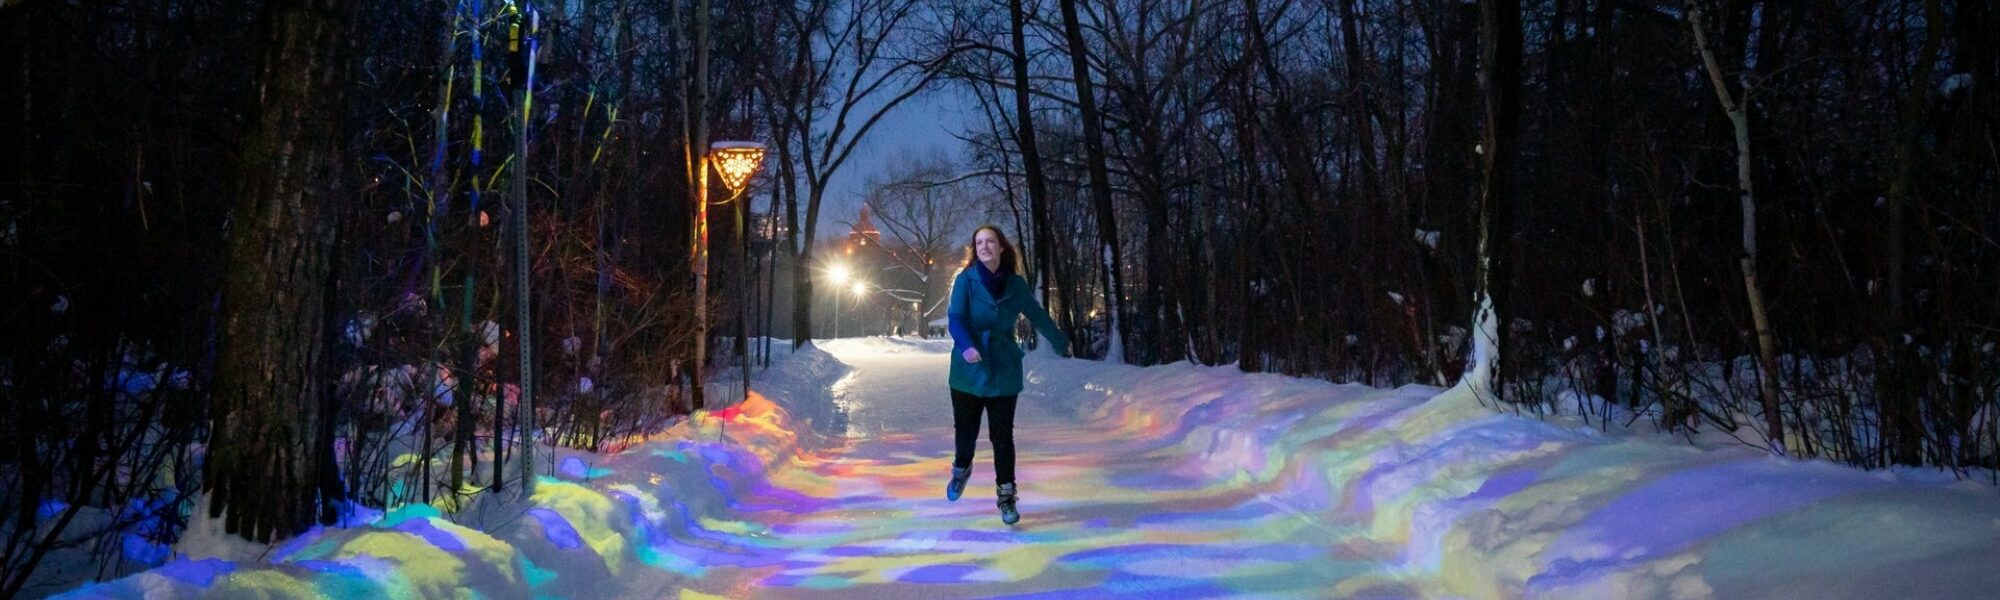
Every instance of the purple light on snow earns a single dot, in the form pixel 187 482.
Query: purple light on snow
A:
pixel 1504 484
pixel 574 468
pixel 440 538
pixel 971 535
pixel 199 572
pixel 849 551
pixel 1683 508
pixel 557 529
pixel 1128 552
pixel 48 509
pixel 938 574
pixel 145 551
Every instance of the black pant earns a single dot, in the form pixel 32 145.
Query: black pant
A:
pixel 965 409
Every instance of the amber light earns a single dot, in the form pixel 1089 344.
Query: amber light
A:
pixel 736 162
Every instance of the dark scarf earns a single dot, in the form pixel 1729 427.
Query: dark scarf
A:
pixel 995 283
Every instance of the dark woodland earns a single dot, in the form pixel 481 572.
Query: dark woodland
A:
pixel 265 252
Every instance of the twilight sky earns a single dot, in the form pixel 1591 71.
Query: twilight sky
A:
pixel 920 125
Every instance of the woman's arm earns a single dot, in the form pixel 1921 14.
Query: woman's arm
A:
pixel 1039 317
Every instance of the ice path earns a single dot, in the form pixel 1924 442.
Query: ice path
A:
pixel 1107 510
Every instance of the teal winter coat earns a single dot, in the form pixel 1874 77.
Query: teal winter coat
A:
pixel 979 320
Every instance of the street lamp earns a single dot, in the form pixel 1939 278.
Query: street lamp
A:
pixel 736 161
pixel 838 273
pixel 860 288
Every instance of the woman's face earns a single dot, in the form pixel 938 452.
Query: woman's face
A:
pixel 986 246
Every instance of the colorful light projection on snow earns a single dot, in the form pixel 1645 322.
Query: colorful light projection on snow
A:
pixel 1170 481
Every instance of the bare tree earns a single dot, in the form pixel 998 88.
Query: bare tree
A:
pixel 1152 51
pixel 1739 121
pixel 1108 251
pixel 849 66
pixel 1031 154
pixel 923 206
pixel 1500 58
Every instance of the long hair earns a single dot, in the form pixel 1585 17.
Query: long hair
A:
pixel 1009 265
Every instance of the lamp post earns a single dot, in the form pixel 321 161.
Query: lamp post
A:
pixel 838 273
pixel 860 287
pixel 736 161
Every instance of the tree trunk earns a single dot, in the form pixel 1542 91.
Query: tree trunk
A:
pixel 262 466
pixel 1100 182
pixel 1500 63
pixel 698 155
pixel 1899 382
pixel 1031 155
pixel 1739 121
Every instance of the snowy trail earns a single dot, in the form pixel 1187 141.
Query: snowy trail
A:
pixel 1173 481
pixel 1104 512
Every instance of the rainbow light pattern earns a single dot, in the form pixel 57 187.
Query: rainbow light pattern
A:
pixel 1174 481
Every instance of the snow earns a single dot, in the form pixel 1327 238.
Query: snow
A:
pixel 358 329
pixel 1167 481
pixel 1115 353
pixel 1625 322
pixel 1954 83
pixel 1485 350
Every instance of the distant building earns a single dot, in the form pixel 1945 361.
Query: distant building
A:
pixel 864 232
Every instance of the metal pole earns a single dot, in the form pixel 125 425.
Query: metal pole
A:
pixel 770 262
pixel 743 293
pixel 524 325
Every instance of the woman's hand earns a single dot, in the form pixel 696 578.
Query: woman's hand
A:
pixel 971 355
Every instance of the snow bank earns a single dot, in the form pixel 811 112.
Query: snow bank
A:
pixel 592 521
pixel 1467 501
pixel 1414 491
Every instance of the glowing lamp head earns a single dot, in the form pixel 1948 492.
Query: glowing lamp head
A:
pixel 860 288
pixel 736 162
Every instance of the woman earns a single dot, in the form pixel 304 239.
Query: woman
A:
pixel 986 299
